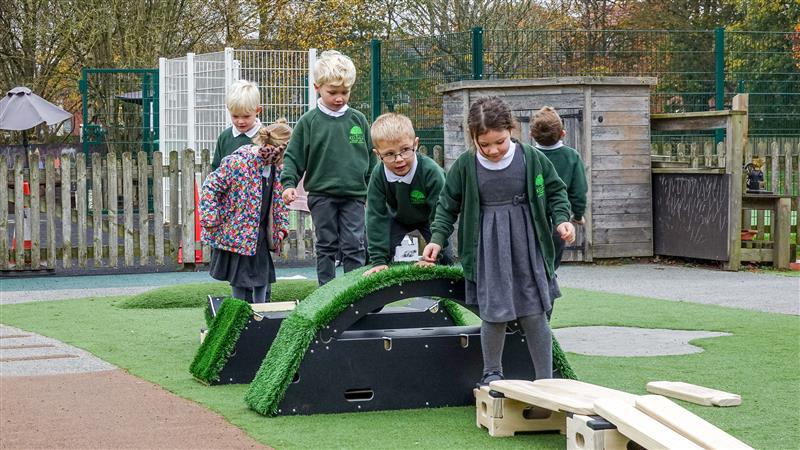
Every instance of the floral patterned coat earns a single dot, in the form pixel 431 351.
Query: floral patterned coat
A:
pixel 230 204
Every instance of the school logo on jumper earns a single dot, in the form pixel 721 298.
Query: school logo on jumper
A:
pixel 357 135
pixel 539 185
pixel 417 197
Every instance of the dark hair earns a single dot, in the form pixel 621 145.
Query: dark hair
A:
pixel 546 126
pixel 489 113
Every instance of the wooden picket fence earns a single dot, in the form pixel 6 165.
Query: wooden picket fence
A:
pixel 781 168
pixel 116 211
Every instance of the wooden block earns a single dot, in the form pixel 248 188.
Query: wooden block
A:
pixel 694 393
pixel 504 416
pixel 688 424
pixel 203 334
pixel 641 428
pixel 273 306
pixel 580 436
pixel 560 395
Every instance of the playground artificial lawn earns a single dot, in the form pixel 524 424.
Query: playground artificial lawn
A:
pixel 760 361
pixel 196 294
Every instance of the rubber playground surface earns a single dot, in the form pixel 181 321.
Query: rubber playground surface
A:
pixel 58 396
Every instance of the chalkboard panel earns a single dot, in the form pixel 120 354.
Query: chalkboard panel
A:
pixel 690 215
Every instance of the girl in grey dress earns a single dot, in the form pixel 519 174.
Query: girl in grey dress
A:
pixel 503 196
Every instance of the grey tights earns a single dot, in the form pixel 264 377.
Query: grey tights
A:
pixel 538 337
pixel 257 294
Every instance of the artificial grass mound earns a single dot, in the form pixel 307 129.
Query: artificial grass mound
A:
pixel 320 308
pixel 222 336
pixel 195 295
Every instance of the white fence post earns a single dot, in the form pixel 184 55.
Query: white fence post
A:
pixel 190 102
pixel 312 93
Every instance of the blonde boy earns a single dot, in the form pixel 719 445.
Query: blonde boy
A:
pixel 403 191
pixel 243 102
pixel 331 147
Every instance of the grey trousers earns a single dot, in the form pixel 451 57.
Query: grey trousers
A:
pixel 338 224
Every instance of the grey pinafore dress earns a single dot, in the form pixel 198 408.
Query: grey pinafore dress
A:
pixel 511 278
pixel 249 271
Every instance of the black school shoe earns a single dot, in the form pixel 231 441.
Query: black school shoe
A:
pixel 488 377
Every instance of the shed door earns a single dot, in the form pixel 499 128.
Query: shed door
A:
pixel 573 125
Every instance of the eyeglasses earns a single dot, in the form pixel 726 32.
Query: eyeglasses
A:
pixel 404 155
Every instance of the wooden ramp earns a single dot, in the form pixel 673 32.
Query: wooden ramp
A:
pixel 641 428
pixel 694 393
pixel 559 394
pixel 684 422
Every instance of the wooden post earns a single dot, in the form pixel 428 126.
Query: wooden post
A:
pixel 50 204
pixel 174 206
pixel 733 166
pixel 158 207
pixel 19 212
pixel 3 212
pixel 97 209
pixel 80 206
pixel 66 212
pixel 205 169
pixel 33 165
pixel 144 215
pixel 127 199
pixel 781 227
pixel 187 204
pixel 113 205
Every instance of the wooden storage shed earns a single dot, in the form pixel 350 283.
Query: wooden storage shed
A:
pixel 607 120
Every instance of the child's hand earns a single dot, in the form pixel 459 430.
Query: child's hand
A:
pixel 567 232
pixel 289 195
pixel 376 269
pixel 424 264
pixel 431 252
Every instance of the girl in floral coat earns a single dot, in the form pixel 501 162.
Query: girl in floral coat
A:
pixel 243 216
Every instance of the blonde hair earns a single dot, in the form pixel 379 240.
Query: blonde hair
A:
pixel 275 134
pixel 391 127
pixel 243 97
pixel 546 126
pixel 335 69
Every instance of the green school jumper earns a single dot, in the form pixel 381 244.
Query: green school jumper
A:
pixel 408 204
pixel 227 144
pixel 569 166
pixel 334 153
pixel 547 197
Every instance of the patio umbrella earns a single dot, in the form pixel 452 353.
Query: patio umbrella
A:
pixel 21 110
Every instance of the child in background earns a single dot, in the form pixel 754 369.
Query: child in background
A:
pixel 331 147
pixel 403 191
pixel 243 215
pixel 547 130
pixel 504 195
pixel 243 102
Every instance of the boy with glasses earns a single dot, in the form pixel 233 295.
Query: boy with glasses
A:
pixel 403 191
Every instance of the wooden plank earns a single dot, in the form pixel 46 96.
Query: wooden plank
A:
pixel 617 147
pixel 205 162
pixel 97 207
pixel 19 212
pixel 623 176
pixel 620 220
pixel 34 175
pixel 617 103
pixel 756 254
pixel 708 153
pixel 622 206
pixel 113 205
pixel 66 212
pixel 774 178
pixel 559 394
pixel 693 393
pixel 187 205
pixel 127 200
pixel 688 424
pixel 3 212
pixel 588 154
pixel 174 207
pixel 616 162
pixel 617 235
pixel 623 133
pixel 621 191
pixel 641 428
pixel 273 306
pixel 158 207
pixel 613 118
pixel 786 189
pixel 144 216
pixel 80 206
pixel 781 229
pixel 50 206
pixel 623 250
pixel 640 91
pixel 734 147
